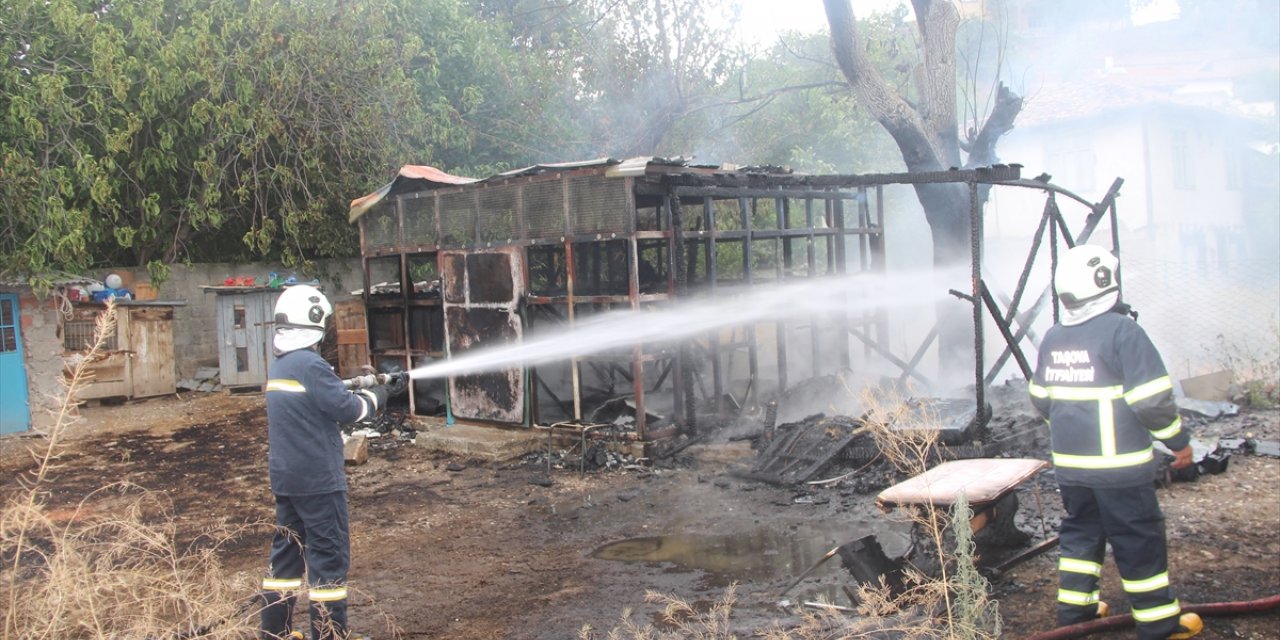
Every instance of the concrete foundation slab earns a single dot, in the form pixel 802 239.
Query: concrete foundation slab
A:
pixel 483 442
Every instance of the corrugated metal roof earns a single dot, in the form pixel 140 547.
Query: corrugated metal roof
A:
pixel 58 279
pixel 542 168
pixel 412 178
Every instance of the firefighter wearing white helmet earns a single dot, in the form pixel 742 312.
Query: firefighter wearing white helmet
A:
pixel 1104 389
pixel 306 403
pixel 1087 282
pixel 300 316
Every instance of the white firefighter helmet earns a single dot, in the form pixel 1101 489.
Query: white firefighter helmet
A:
pixel 1085 273
pixel 301 312
pixel 302 307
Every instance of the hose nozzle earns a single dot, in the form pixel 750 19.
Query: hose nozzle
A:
pixel 372 380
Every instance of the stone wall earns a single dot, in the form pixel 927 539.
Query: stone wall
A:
pixel 195 340
pixel 42 350
pixel 195 337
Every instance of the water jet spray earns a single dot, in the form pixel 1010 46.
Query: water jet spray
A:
pixel 680 320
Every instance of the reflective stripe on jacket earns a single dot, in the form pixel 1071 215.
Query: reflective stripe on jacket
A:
pixel 306 403
pixel 1106 393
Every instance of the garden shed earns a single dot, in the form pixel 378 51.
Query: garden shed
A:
pixel 245 318
pixel 137 361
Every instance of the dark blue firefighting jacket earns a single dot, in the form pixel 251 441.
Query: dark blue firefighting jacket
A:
pixel 305 404
pixel 1106 394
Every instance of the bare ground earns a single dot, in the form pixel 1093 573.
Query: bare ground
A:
pixel 446 547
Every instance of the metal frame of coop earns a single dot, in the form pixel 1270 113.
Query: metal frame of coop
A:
pixel 583 238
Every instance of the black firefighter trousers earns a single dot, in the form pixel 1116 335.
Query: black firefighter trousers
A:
pixel 1130 519
pixel 312 537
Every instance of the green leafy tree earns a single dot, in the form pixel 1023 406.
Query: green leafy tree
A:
pixel 501 86
pixel 628 72
pixel 161 130
pixel 789 106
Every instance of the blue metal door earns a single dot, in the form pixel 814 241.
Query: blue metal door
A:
pixel 15 415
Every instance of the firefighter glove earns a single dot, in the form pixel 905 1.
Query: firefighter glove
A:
pixel 398 385
pixel 377 396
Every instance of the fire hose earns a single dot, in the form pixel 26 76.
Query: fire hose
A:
pixel 1126 620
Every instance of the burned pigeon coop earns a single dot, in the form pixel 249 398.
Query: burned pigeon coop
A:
pixel 454 264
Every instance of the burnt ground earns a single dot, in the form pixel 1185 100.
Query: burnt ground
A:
pixel 453 548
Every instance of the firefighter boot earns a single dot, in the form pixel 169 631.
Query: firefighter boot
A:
pixel 1189 624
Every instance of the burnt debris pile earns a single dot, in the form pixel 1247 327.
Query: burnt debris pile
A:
pixel 388 430
pixel 599 456
pixel 845 447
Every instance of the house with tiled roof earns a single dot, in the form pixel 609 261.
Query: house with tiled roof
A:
pixel 1199 215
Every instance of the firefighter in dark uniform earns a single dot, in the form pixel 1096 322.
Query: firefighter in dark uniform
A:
pixel 1105 391
pixel 306 403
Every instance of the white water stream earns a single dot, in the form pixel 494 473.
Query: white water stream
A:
pixel 797 299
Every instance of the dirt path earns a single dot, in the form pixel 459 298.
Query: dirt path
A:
pixel 452 548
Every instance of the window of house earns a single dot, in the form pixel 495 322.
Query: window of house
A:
pixel 8 326
pixel 1183 169
pixel 1231 167
pixel 1073 168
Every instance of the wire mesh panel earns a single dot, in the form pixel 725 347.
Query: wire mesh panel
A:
pixel 458 219
pixel 598 205
pixel 727 214
pixel 764 213
pixel 80 335
pixel 419 219
pixel 382 226
pixel 544 210
pixel 692 215
pixel 498 214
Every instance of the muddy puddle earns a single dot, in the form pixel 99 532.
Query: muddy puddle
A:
pixel 754 556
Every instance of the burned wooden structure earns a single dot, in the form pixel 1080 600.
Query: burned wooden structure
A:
pixel 454 264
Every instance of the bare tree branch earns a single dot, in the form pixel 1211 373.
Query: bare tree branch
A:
pixel 886 105
pixel 983 150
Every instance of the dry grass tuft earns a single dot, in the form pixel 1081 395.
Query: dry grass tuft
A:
pixel 944 580
pixel 681 620
pixel 1254 365
pixel 110 573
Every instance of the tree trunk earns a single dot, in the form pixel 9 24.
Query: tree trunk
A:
pixel 927 134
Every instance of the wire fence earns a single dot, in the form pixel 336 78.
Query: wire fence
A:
pixel 1209 316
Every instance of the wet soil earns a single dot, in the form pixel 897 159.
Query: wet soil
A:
pixel 446 547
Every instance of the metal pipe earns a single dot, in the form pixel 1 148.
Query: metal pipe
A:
pixel 825 557
pixel 678 286
pixel 1026 554
pixel 753 362
pixel 996 316
pixel 713 283
pixel 783 270
pixel 1018 291
pixel 637 351
pixel 975 255
pixel 570 276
